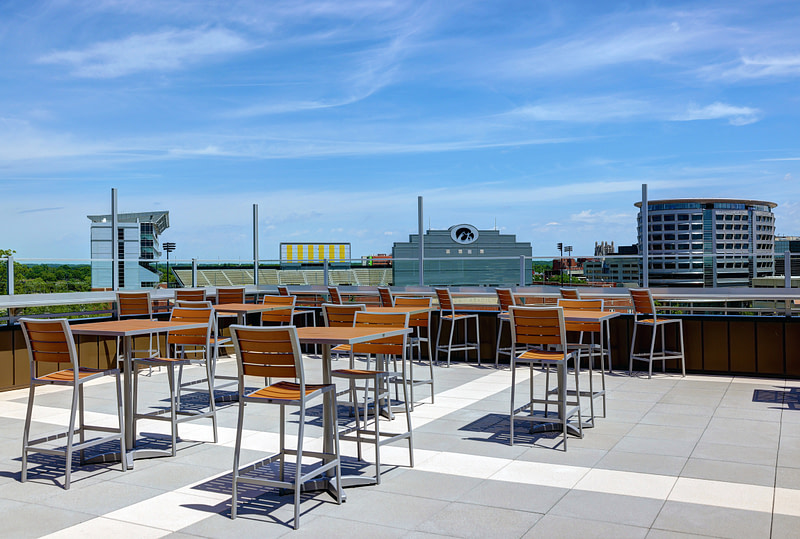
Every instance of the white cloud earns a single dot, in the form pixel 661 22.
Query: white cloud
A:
pixel 603 217
pixel 717 111
pixel 788 177
pixel 161 51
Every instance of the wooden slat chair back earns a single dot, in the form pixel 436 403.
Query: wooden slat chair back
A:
pixel 643 302
pixel 419 320
pixel 190 294
pixel 582 305
pixel 268 352
pixel 336 315
pixel 570 293
pixel 49 341
pixel 134 304
pixel 280 316
pixel 191 337
pixel 445 299
pixel 390 345
pixel 194 304
pixel 230 295
pixel 505 298
pixel 538 327
pixel 336 297
pixel 283 290
pixel 385 295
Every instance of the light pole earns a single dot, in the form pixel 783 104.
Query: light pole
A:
pixel 568 249
pixel 168 247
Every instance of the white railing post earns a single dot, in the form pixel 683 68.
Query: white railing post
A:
pixel 194 273
pixel 10 274
pixel 325 272
pixel 522 270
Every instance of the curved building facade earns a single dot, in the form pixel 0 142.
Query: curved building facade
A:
pixel 708 242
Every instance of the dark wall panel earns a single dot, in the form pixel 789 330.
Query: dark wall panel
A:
pixel 742 346
pixel 769 340
pixel 715 346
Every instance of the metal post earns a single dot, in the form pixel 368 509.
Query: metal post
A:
pixel 114 242
pixel 325 272
pixel 255 244
pixel 645 240
pixel 194 273
pixel 421 232
pixel 10 274
pixel 522 270
pixel 787 269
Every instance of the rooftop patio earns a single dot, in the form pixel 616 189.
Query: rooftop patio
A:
pixel 701 455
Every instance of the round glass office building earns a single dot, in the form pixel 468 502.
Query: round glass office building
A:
pixel 708 242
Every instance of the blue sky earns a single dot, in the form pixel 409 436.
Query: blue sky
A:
pixel 542 117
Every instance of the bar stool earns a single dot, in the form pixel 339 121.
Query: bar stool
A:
pixel 283 290
pixel 505 298
pixel 51 341
pixel 137 305
pixel 535 330
pixel 275 352
pixel 380 378
pixel 418 321
pixel 447 312
pixel 591 349
pixel 178 340
pixel 645 315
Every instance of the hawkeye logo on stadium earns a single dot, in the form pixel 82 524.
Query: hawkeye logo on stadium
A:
pixel 464 234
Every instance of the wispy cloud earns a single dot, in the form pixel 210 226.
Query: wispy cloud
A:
pixel 161 51
pixel 617 40
pixel 721 111
pixel 754 67
pixel 39 210
pixel 586 109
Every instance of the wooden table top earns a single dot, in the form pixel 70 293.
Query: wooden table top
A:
pixel 127 328
pixel 345 335
pixel 246 308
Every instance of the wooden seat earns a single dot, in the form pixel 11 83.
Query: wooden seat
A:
pixel 380 379
pixel 50 343
pixel 535 330
pixel 447 313
pixel 645 315
pixel 269 352
pixel 178 341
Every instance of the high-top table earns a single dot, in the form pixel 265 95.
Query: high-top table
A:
pixel 127 330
